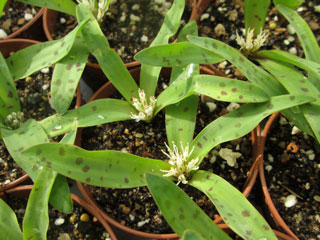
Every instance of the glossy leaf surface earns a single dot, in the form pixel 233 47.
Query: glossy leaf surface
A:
pixel 31 59
pixel 100 168
pixel 240 122
pixel 65 6
pixel 149 74
pixel 8 223
pixel 289 3
pixel 9 100
pixel 233 207
pixel 91 114
pixel 191 235
pixel 109 61
pixel 66 76
pixel 180 211
pixel 255 13
pixel 177 54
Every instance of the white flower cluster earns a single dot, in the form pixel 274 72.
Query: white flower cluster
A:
pixel 14 120
pixel 251 44
pixel 144 108
pixel 182 166
pixel 99 9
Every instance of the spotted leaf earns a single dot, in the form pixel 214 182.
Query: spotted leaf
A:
pixel 180 211
pixel 255 13
pixel 241 217
pixel 8 223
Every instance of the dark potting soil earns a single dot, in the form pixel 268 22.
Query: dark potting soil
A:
pixel 129 26
pixel 13 16
pixel 34 94
pixel 77 225
pixel 292 167
pixel 135 207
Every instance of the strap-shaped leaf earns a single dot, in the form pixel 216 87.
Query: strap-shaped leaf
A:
pixel 289 3
pixel 109 61
pixel 29 134
pixel 220 88
pixel 234 208
pixel 192 235
pixel 149 74
pixel 9 100
pixel 180 211
pixel 65 6
pixel 100 168
pixel 94 113
pixel 312 114
pixel 310 66
pixel 255 13
pixel 31 59
pixel 254 73
pixel 240 122
pixel 2 4
pixel 177 54
pixel 308 41
pixel 66 76
pixel 180 118
pixel 36 218
pixel 8 223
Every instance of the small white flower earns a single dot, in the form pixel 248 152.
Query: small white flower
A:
pixel 181 165
pixel 144 108
pixel 99 8
pixel 251 43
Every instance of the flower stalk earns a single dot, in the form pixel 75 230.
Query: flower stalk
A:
pixel 99 8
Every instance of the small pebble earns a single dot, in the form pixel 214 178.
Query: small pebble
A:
pixel 270 158
pixel 317 8
pixel 125 209
pixel 21 21
pixel 219 30
pixel 135 6
pixel 316 198
pixel 293 50
pixel 62 20
pixel 286 42
pixel 141 223
pixel 232 106
pixel 290 201
pixel 3 34
pixel 59 221
pixel 134 18
pixel 233 15
pixel 28 16
pixel 212 106
pixel 64 236
pixel 313 25
pixel 144 38
pixel 291 38
pixel 45 70
pixel 72 219
pixel 123 17
pixel 84 217
pixel 204 16
pixel 291 29
pixel 295 130
pixel 28 79
pixel 272 25
pixel 268 168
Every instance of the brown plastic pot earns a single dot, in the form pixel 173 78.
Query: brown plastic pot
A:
pixel 105 92
pixel 259 139
pixel 24 191
pixel 6 47
pixel 31 30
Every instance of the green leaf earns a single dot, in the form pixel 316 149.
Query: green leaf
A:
pixel 277 55
pixel 308 41
pixel 60 196
pixel 180 211
pixel 149 74
pixel 8 223
pixel 289 3
pixel 66 76
pixel 234 208
pixel 255 13
pixel 177 54
pixel 254 73
pixel 100 168
pixel 220 88
pixel 94 113
pixel 36 218
pixel 240 122
pixel 9 99
pixel 109 61
pixel 312 114
pixel 31 59
pixel 29 134
pixel 2 4
pixel 65 6
pixel 191 235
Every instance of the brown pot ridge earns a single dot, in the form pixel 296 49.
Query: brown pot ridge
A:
pixel 24 191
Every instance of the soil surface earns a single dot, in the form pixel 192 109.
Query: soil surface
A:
pixel 77 225
pixel 292 167
pixel 15 15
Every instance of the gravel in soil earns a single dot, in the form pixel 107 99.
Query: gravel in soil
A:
pixel 15 15
pixel 292 167
pixel 34 94
pixel 77 225
pixel 135 207
pixel 129 25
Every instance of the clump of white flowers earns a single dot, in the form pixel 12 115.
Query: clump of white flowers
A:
pixel 145 108
pixel 252 43
pixel 99 8
pixel 181 164
pixel 14 120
